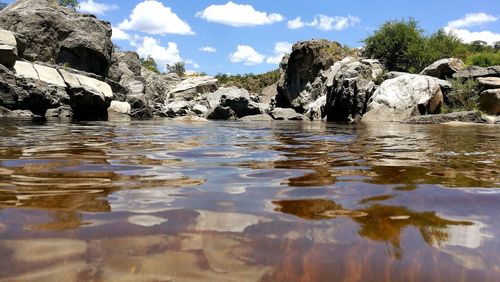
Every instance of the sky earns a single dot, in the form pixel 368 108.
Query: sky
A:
pixel 251 36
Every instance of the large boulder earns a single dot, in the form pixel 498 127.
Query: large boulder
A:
pixel 303 66
pixel 191 87
pixel 444 68
pixel 286 114
pixel 55 34
pixel 489 82
pixel 350 84
pixel 403 97
pixel 15 114
pixel 476 71
pixel 8 48
pixel 316 110
pixel 221 113
pixel 489 101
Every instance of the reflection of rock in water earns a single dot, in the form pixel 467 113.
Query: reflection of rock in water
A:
pixel 377 222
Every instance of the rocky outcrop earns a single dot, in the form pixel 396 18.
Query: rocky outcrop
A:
pixel 286 114
pixel 8 48
pixel 489 82
pixel 221 113
pixel 470 117
pixel 301 71
pixel 54 34
pixel 444 68
pixel 403 97
pixel 489 101
pixel 316 110
pixel 350 84
pixel 191 87
pixel 476 71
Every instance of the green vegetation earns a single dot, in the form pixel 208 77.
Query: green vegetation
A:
pixel 179 68
pixel 402 46
pixel 464 96
pixel 150 64
pixel 69 3
pixel 251 82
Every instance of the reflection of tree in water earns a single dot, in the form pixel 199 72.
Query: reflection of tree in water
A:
pixel 61 220
pixel 377 222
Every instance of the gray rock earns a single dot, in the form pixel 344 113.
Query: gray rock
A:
pixel 489 82
pixel 476 71
pixel 489 101
pixel 55 34
pixel 190 87
pixel 139 106
pixel 241 106
pixel 120 107
pixel 394 74
pixel 286 114
pixel 471 116
pixel 199 109
pixel 403 97
pixel 303 66
pixel 316 110
pixel 16 114
pixel 221 113
pixel 260 117
pixel 88 104
pixel 214 99
pixel 61 112
pixel 267 95
pixel 444 68
pixel 178 108
pixel 8 48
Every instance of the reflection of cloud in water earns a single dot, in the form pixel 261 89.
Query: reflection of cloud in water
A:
pixel 143 201
pixel 146 220
pixel 469 236
pixel 226 222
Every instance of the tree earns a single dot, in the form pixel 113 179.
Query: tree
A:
pixel 179 68
pixel 442 45
pixel 69 3
pixel 150 64
pixel 496 45
pixel 398 44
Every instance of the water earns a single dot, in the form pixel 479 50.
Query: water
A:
pixel 166 201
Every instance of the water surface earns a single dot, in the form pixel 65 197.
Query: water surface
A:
pixel 232 201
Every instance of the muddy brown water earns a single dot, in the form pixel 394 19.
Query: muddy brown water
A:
pixel 232 201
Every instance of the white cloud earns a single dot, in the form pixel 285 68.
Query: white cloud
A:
pixel 192 63
pixel 280 49
pixel 238 15
pixel 208 49
pixel 473 19
pixel 119 34
pixel 152 17
pixel 458 27
pixel 96 8
pixel 296 23
pixel 469 36
pixel 162 55
pixel 247 55
pixel 326 23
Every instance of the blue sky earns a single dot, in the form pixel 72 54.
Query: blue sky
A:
pixel 250 36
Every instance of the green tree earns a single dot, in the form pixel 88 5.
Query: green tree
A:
pixel 179 68
pixel 442 45
pixel 69 3
pixel 399 44
pixel 496 45
pixel 150 64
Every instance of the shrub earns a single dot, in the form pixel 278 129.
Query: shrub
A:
pixel 179 68
pixel 442 45
pixel 69 3
pixel 150 64
pixel 398 44
pixel 464 96
pixel 484 59
pixel 251 82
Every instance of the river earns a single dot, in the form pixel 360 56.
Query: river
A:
pixel 233 201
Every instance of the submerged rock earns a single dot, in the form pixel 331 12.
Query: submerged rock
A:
pixel 470 117
pixel 403 97
pixel 260 117
pixel 286 114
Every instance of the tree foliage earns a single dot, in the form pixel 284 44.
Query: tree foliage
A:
pixel 179 68
pixel 69 3
pixel 252 82
pixel 150 64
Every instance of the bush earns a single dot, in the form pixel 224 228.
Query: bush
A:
pixel 179 68
pixel 442 45
pixel 69 3
pixel 251 82
pixel 464 96
pixel 399 44
pixel 484 59
pixel 150 64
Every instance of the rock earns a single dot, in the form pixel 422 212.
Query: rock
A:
pixel 21 114
pixel 139 106
pixel 286 114
pixel 444 68
pixel 49 75
pixel 489 101
pixel 260 117
pixel 377 68
pixel 60 35
pixel 476 71
pixel 120 107
pixel 124 61
pixel 190 119
pixel 214 98
pixel 8 48
pixel 394 74
pixel 88 104
pixel 25 70
pixel 489 82
pixel 267 95
pixel 316 110
pixel 306 61
pixel 240 105
pixel 178 108
pixel 470 117
pixel 96 86
pixel 191 86
pixel 61 112
pixel 221 113
pixel 403 97
pixel 352 86
pixel 199 109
